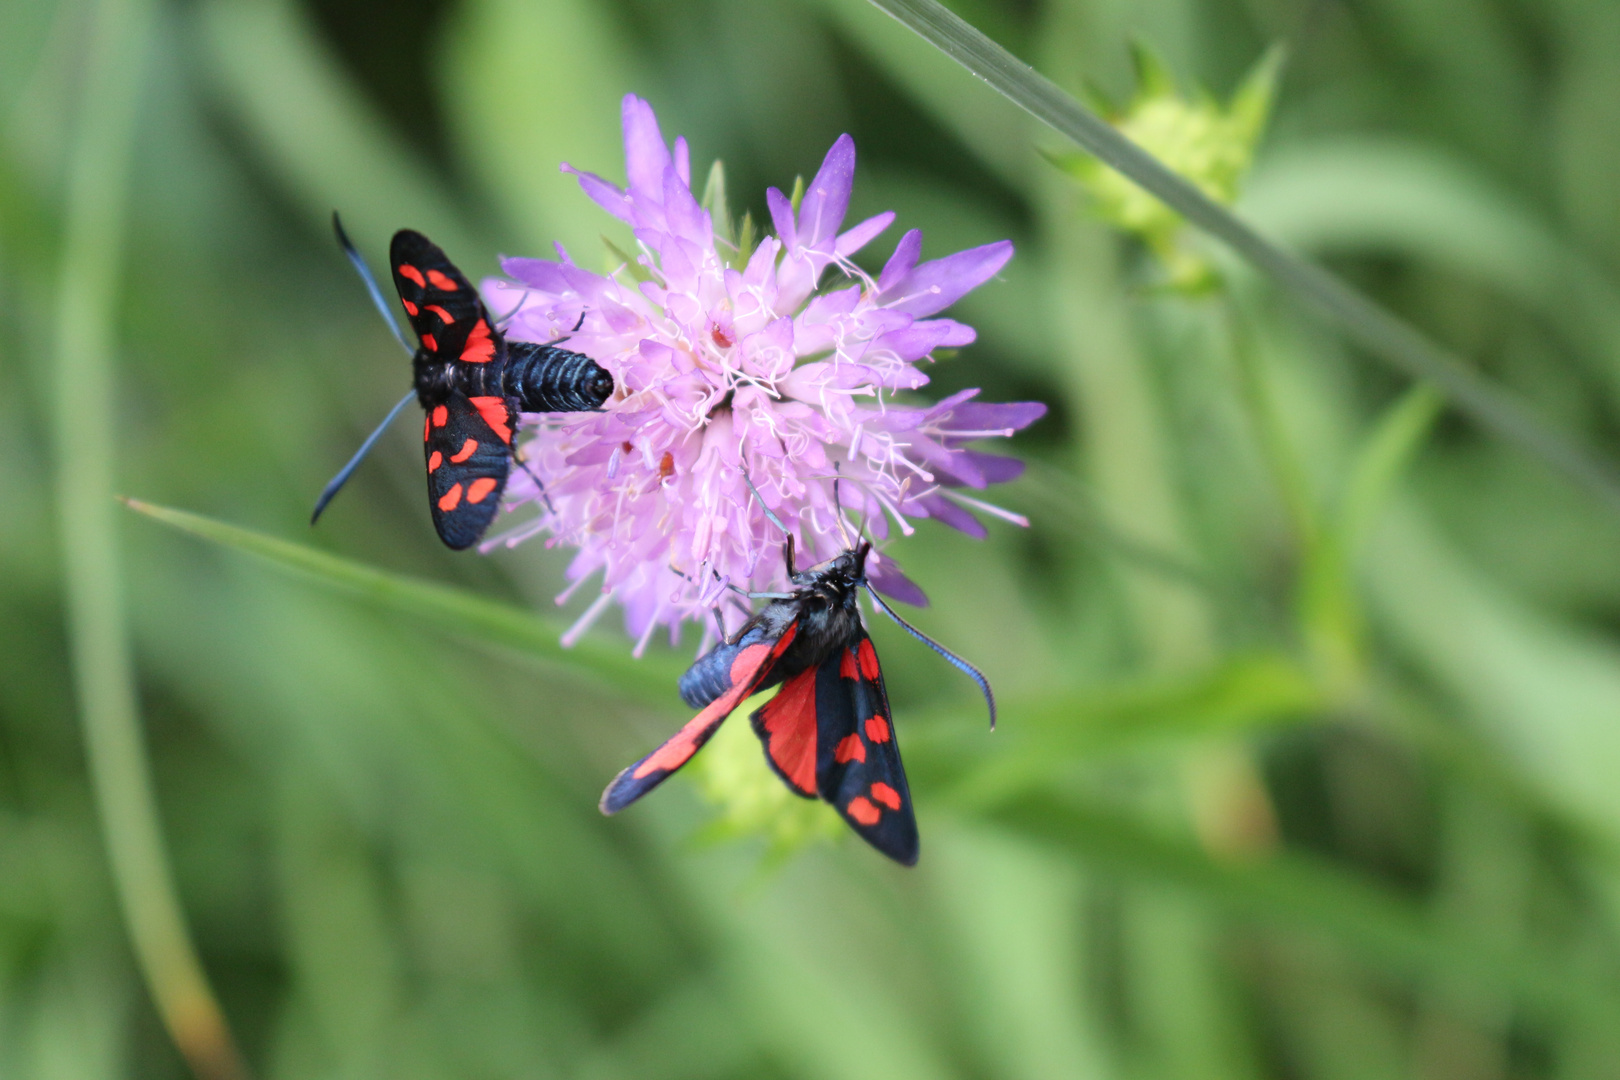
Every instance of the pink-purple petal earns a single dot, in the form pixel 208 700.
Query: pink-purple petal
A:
pixel 683 161
pixel 608 196
pixel 995 416
pixel 946 512
pixel 781 208
pixel 854 239
pixel 996 468
pixel 906 254
pixel 936 285
pixel 645 154
pixel 887 579
pixel 826 200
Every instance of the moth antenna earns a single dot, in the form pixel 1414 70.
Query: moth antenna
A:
pixel 838 507
pixel 787 552
pixel 720 624
pixel 387 313
pixel 769 516
pixel 951 658
pixel 501 320
pixel 347 471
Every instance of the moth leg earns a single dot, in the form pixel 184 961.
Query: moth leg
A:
pixel 523 459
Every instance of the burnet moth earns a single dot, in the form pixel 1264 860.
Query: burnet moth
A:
pixel 828 732
pixel 471 381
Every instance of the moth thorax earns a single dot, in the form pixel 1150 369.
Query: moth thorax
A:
pixel 433 377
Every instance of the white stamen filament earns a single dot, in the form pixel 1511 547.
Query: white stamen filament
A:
pixel 988 508
pixel 568 593
pixel 571 637
pixel 646 635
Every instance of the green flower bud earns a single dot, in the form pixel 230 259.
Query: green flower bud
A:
pixel 1210 144
pixel 732 775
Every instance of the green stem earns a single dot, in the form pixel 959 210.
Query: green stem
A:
pixel 1261 404
pixel 1365 322
pixel 87 294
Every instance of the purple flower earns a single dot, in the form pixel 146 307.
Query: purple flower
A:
pixel 736 366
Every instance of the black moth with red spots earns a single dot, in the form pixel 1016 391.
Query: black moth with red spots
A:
pixel 473 383
pixel 828 733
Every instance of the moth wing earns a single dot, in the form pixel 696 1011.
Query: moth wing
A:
pixel 751 666
pixel 467 463
pixel 787 727
pixel 443 307
pixel 857 762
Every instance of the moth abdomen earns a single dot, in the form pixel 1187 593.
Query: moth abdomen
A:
pixel 545 379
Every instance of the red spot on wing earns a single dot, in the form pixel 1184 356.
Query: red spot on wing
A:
pixel 441 313
pixel 410 309
pixel 886 795
pixel 745 663
pixel 441 282
pixel 480 488
pixel 772 652
pixel 450 499
pixel 747 669
pixel 861 809
pixel 430 343
pixel 493 410
pixel 435 461
pixel 427 426
pixel 850 748
pixel 680 747
pixel 847 667
pixel 877 729
pixel 480 347
pixel 673 754
pixel 468 449
pixel 869 664
pixel 411 273
pixel 790 723
pixel 441 416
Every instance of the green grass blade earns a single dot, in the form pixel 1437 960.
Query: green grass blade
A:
pixel 1365 322
pixel 1383 459
pixel 1299 893
pixel 448 608
pixel 115 58
pixel 1043 737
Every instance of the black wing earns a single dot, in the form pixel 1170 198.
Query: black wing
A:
pixel 444 308
pixel 467 442
pixel 858 766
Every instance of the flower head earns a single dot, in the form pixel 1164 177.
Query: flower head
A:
pixel 744 380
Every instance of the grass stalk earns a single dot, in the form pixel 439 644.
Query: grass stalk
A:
pixel 119 34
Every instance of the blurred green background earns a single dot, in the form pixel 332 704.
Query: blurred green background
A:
pixel 1309 763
